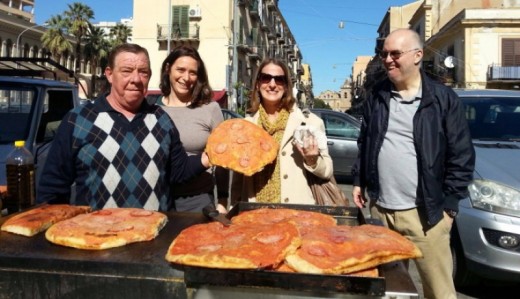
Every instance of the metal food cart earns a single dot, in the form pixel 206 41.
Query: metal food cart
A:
pixel 32 267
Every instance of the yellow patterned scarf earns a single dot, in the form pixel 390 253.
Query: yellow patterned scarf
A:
pixel 267 182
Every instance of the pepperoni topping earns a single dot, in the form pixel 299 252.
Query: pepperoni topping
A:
pixel 269 238
pixel 242 140
pixel 220 148
pixel 141 213
pixel 244 161
pixel 102 213
pixel 209 248
pixel 317 251
pixel 266 146
pixel 121 228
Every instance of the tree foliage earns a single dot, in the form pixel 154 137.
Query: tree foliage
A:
pixel 54 39
pixel 90 42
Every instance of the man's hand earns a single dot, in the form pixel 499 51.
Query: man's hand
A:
pixel 358 197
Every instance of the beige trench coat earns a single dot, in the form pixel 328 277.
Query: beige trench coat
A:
pixel 294 187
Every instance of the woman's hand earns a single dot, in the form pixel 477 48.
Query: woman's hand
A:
pixel 309 151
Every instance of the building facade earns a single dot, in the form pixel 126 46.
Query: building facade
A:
pixel 232 37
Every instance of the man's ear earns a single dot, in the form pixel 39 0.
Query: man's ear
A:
pixel 418 56
pixel 108 74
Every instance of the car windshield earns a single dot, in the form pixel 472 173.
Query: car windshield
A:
pixel 16 106
pixel 493 118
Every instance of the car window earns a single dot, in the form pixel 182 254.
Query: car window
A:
pixel 57 104
pixel 493 117
pixel 16 105
pixel 336 126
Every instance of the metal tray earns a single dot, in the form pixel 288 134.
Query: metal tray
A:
pixel 372 286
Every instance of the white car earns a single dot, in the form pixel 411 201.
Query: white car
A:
pixel 486 237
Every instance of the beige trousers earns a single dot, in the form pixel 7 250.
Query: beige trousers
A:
pixel 436 267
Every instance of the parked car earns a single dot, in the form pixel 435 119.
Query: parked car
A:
pixel 486 234
pixel 342 131
pixel 31 110
pixel 228 114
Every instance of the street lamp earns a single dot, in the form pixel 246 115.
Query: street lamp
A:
pixel 20 35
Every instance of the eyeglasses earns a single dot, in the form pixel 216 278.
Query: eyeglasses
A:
pixel 266 78
pixel 395 54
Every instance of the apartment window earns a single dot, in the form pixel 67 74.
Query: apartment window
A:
pixel 511 52
pixel 180 22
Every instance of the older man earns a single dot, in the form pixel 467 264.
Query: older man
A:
pixel 415 159
pixel 119 151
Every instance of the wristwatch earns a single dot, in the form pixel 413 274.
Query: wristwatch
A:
pixel 451 213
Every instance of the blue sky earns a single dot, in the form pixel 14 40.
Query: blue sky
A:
pixel 328 49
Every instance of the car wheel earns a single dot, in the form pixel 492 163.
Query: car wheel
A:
pixel 462 277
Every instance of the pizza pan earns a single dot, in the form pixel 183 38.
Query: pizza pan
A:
pixel 371 286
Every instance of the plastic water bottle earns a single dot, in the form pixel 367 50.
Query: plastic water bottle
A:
pixel 20 178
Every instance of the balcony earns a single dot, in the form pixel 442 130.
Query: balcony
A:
pixel 253 10
pixel 191 32
pixel 272 4
pixel 254 53
pixel 242 2
pixel 503 73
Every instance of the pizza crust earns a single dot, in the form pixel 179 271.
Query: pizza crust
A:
pixel 33 221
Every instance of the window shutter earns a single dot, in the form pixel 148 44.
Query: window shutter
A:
pixel 180 22
pixel 510 52
pixel 254 36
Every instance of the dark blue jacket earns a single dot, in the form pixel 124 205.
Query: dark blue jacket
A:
pixel 445 154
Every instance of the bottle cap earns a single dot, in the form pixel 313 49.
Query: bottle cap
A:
pixel 19 143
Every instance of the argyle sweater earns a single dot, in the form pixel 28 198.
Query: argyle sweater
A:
pixel 115 162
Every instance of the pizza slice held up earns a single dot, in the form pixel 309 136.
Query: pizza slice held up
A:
pixel 241 146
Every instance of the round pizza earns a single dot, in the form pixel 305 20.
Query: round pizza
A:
pixel 241 146
pixel 214 245
pixel 107 228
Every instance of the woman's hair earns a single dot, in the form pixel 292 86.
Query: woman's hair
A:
pixel 201 93
pixel 288 99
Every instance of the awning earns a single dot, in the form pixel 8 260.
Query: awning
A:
pixel 221 97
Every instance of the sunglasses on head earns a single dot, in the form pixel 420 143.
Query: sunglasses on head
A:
pixel 266 78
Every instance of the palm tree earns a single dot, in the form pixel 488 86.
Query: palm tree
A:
pixel 120 34
pixel 96 50
pixel 54 38
pixel 79 16
pixel 96 47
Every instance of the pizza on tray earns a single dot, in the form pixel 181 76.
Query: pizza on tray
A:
pixel 33 221
pixel 241 146
pixel 290 240
pixel 214 245
pixel 107 228
pixel 345 249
